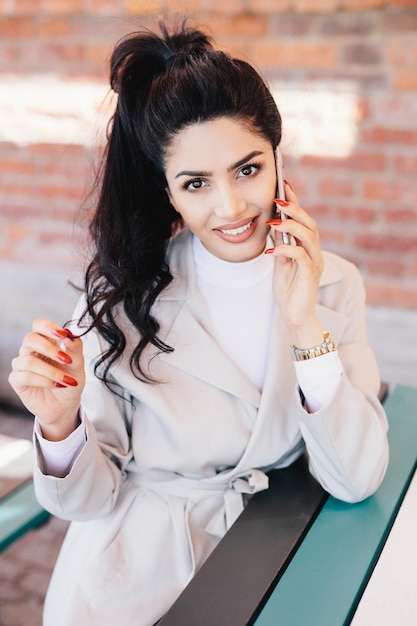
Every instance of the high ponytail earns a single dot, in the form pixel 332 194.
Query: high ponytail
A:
pixel 164 82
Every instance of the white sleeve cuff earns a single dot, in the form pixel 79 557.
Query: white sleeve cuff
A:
pixel 58 457
pixel 318 379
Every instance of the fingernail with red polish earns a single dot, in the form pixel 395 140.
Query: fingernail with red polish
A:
pixel 274 222
pixel 64 357
pixel 281 202
pixel 269 250
pixel 60 386
pixel 62 333
pixel 289 184
pixel 68 380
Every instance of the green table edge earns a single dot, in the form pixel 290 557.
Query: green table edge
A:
pixel 326 578
pixel 19 512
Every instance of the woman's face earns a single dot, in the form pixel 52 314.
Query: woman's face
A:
pixel 222 181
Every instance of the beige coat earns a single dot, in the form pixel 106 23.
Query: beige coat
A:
pixel 162 473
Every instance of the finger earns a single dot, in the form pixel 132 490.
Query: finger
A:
pixel 304 231
pixel 293 211
pixel 23 380
pixel 32 364
pixel 52 331
pixel 65 351
pixel 43 347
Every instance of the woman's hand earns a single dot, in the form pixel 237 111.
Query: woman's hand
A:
pixel 48 376
pixel 297 271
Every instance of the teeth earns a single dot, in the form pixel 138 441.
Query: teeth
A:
pixel 237 231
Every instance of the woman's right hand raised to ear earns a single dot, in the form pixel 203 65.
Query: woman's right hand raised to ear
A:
pixel 48 376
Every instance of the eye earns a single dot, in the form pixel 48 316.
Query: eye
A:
pixel 194 184
pixel 249 169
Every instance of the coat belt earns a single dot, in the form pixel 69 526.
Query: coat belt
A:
pixel 231 489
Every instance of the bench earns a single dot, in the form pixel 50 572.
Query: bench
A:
pixel 19 509
pixel 297 556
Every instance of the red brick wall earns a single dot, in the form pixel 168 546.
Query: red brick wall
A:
pixel 348 68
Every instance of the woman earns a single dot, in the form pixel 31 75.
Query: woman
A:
pixel 213 352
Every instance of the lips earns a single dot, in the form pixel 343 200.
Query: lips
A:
pixel 237 232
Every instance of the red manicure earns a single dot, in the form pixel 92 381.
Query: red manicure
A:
pixel 269 250
pixel 281 202
pixel 60 386
pixel 63 333
pixel 274 222
pixel 64 357
pixel 289 184
pixel 68 380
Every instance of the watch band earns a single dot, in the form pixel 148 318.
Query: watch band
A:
pixel 311 353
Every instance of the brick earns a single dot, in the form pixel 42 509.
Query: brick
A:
pixel 144 7
pixel 106 7
pixel 315 6
pixel 405 164
pixel 401 216
pixel 17 232
pixel 27 7
pixel 336 187
pixel 399 21
pixel 404 4
pixel 268 6
pixel 239 25
pixel 358 161
pixel 356 214
pixel 315 55
pixel 17 27
pixel 17 209
pixel 347 24
pixel 55 237
pixel 332 237
pixel 382 241
pixel 231 7
pixel 399 192
pixel 63 6
pixel 394 108
pixel 288 25
pixel 385 265
pixel 55 27
pixel 16 167
pixel 361 5
pixel 402 51
pixel 362 54
pixel 394 294
pixel 98 54
pixel 387 135
pixel 54 150
pixel 406 80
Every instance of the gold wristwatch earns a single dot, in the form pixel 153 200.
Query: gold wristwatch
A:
pixel 311 353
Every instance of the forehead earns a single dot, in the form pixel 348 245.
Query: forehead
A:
pixel 223 137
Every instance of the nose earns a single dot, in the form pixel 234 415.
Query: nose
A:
pixel 229 203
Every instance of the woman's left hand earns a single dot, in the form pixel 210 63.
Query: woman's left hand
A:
pixel 297 271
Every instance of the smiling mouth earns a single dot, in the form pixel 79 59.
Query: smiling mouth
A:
pixel 236 231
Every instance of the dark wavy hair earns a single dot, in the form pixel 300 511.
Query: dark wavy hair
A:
pixel 165 82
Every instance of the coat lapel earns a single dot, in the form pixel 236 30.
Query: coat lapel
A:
pixel 185 326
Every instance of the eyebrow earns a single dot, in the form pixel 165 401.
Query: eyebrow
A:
pixel 245 159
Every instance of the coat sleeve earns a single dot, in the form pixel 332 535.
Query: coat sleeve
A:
pixel 91 487
pixel 346 439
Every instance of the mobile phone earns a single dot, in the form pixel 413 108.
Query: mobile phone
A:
pixel 280 190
